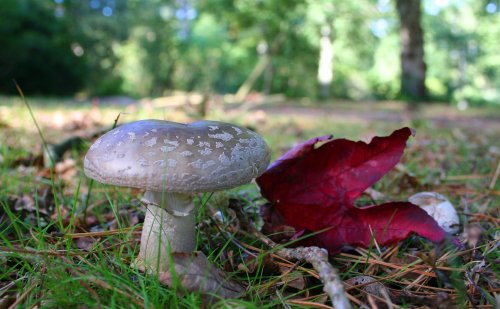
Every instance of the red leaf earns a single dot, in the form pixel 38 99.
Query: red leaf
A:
pixel 315 185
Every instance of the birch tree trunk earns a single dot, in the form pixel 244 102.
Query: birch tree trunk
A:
pixel 325 66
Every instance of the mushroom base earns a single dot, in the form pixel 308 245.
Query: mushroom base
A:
pixel 169 226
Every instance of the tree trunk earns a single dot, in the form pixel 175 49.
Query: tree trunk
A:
pixel 412 50
pixel 325 66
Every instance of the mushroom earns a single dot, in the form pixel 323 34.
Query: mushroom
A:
pixel 173 161
pixel 438 207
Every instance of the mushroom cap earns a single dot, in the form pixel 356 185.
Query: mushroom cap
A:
pixel 438 207
pixel 159 155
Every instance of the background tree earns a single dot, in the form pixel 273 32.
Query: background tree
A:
pixel 98 28
pixel 149 48
pixel 413 68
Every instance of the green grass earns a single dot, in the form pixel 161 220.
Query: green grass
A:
pixel 43 263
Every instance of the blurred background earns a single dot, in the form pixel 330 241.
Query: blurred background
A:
pixel 367 50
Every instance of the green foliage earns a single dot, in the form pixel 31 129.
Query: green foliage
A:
pixel 460 44
pixel 147 48
pixel 35 49
pixel 99 37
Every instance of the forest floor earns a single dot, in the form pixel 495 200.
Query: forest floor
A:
pixel 65 242
pixel 435 116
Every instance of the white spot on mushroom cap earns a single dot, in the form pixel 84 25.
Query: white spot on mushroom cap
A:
pixel 190 141
pixel 224 159
pixel 223 136
pixel 186 153
pixel 131 135
pixel 245 140
pixel 172 162
pixel 200 164
pixel 238 130
pixel 167 148
pixel 219 145
pixel 196 164
pixel 173 143
pixel 213 128
pixel 151 142
pixel 203 144
pixel 208 164
pixel 205 151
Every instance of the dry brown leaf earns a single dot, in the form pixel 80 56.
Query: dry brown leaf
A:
pixel 369 285
pixel 265 265
pixel 86 243
pixel 66 169
pixel 293 280
pixel 61 213
pixel 196 274
pixel 25 202
pixel 473 234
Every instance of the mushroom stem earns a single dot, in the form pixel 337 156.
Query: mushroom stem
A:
pixel 169 226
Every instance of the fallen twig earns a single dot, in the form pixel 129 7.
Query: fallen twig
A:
pixel 317 257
